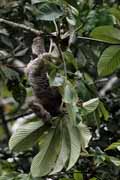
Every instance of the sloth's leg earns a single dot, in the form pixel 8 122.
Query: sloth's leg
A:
pixel 39 110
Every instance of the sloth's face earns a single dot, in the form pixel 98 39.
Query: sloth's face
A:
pixel 38 46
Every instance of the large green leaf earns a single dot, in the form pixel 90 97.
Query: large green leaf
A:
pixel 45 160
pixel 109 61
pixel 26 136
pixel 63 155
pixel 107 34
pixel 72 112
pixel 49 12
pixel 74 145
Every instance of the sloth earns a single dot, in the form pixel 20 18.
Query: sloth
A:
pixel 46 100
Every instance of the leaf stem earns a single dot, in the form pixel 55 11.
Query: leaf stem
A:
pixel 59 48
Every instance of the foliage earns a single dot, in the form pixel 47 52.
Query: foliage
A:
pixel 82 143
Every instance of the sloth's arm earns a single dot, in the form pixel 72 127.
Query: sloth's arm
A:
pixel 39 63
pixel 39 110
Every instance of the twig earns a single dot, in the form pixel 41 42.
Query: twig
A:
pixel 27 28
pixel 59 48
pixel 90 39
pixel 12 66
pixel 95 40
pixel 41 33
pixel 22 26
pixel 109 85
pixel 17 117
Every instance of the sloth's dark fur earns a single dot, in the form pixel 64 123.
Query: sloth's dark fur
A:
pixel 46 100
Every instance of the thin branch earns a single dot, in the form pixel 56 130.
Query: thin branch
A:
pixel 13 66
pixel 51 45
pixel 59 48
pixel 27 28
pixel 95 40
pixel 22 26
pixel 17 117
pixel 109 85
pixel 90 39
pixel 41 33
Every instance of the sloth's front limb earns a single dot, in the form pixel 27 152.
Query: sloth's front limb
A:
pixel 39 63
pixel 39 110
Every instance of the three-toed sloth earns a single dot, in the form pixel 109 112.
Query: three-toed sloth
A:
pixel 46 100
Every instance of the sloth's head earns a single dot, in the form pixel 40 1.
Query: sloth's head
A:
pixel 38 46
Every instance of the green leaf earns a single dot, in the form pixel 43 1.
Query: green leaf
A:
pixel 21 52
pixel 109 61
pixel 72 3
pixel 70 94
pixel 115 12
pixel 78 176
pixel 63 179
pixel 38 1
pixel 6 40
pixel 26 136
pixel 114 160
pixel 74 145
pixel 70 60
pixel 104 111
pixel 19 93
pixel 63 155
pixel 90 106
pixel 115 145
pixel 9 73
pixel 85 136
pixel 71 20
pixel 107 34
pixel 15 176
pixel 49 12
pixel 45 160
pixel 72 111
pixel 83 90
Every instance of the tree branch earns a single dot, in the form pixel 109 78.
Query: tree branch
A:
pixel 17 117
pixel 109 85
pixel 27 28
pixel 41 33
